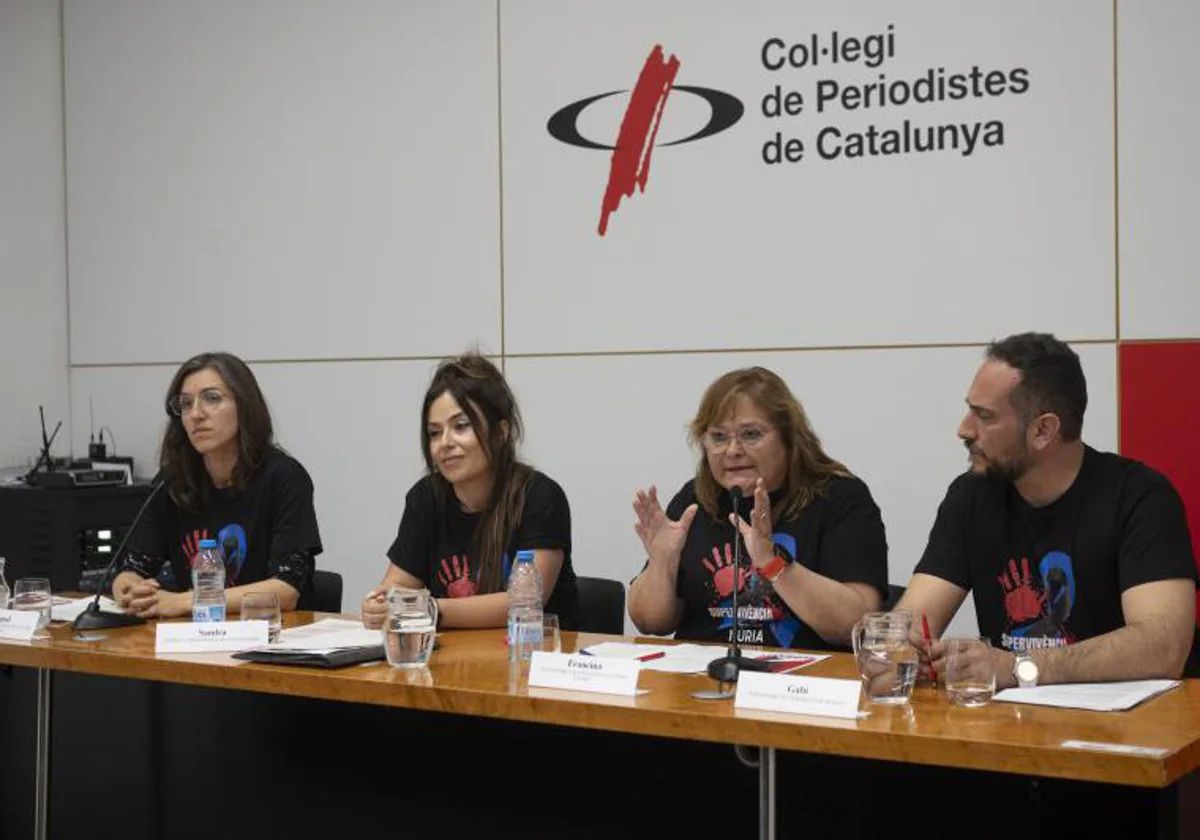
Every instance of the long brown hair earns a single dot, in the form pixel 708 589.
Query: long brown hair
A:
pixel 809 468
pixel 485 398
pixel 182 467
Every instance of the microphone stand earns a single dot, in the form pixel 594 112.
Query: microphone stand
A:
pixel 725 670
pixel 92 618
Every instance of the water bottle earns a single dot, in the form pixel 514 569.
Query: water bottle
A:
pixel 524 607
pixel 4 590
pixel 208 583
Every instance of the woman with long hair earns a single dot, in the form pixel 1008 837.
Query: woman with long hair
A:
pixel 814 538
pixel 225 480
pixel 477 505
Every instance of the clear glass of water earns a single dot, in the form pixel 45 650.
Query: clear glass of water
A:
pixel 410 628
pixel 263 606
pixel 970 671
pixel 33 593
pixel 551 635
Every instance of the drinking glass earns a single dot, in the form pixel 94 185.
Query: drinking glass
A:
pixel 551 637
pixel 970 671
pixel 263 606
pixel 33 593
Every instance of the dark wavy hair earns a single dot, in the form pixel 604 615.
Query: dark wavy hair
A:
pixel 808 469
pixel 181 466
pixel 485 398
pixel 1052 380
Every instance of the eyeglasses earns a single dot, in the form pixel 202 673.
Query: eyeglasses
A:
pixel 210 400
pixel 718 441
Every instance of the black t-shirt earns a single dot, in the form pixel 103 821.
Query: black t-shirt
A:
pixel 839 535
pixel 1046 577
pixel 434 541
pixel 269 530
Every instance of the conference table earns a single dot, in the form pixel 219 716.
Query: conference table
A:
pixel 1154 746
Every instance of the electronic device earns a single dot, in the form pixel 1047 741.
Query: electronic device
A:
pixel 76 478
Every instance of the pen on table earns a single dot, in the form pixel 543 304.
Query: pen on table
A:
pixel 928 645
pixel 657 655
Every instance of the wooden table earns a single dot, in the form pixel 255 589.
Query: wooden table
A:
pixel 470 675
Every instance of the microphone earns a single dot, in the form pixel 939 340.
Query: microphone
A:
pixel 92 618
pixel 726 668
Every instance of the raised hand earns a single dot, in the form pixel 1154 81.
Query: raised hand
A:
pixel 1021 602
pixel 662 538
pixel 756 534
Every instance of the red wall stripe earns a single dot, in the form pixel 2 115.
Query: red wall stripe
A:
pixel 1160 418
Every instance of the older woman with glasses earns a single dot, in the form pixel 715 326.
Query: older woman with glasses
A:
pixel 227 481
pixel 815 555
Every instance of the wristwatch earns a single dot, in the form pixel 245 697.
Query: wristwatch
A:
pixel 774 568
pixel 1025 671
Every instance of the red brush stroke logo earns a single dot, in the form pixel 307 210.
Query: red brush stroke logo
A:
pixel 630 166
pixel 635 142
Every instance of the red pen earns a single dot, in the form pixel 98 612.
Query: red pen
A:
pixel 929 645
pixel 658 655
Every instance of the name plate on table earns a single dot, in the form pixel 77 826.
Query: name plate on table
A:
pixel 576 672
pixel 18 625
pixel 209 636
pixel 797 695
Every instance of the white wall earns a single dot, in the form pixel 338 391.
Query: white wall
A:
pixel 342 193
pixel 33 286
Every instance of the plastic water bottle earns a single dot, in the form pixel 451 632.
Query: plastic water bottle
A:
pixel 524 607
pixel 208 583
pixel 4 590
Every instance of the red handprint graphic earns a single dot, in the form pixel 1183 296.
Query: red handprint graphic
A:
pixel 1021 602
pixel 455 576
pixel 191 544
pixel 722 572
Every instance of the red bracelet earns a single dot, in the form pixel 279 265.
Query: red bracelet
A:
pixel 774 568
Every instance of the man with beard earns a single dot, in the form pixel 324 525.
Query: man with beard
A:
pixel 1080 561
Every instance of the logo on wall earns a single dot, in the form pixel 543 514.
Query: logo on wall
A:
pixel 630 166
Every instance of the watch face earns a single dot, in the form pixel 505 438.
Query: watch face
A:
pixel 1027 671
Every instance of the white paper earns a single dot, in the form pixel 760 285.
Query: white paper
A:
pixel 72 609
pixel 1095 697
pixel 576 672
pixel 208 636
pixel 797 695
pixel 19 625
pixel 690 658
pixel 326 636
pixel 671 659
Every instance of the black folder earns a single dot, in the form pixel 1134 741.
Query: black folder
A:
pixel 335 659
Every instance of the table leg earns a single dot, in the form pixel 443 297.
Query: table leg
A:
pixel 766 793
pixel 42 770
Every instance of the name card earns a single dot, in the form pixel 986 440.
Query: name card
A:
pixel 577 672
pixel 18 625
pixel 797 695
pixel 208 636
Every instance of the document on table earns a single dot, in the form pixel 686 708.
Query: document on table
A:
pixel 690 658
pixel 1095 697
pixel 67 609
pixel 326 636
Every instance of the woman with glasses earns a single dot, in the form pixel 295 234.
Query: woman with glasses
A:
pixel 477 506
pixel 815 554
pixel 225 480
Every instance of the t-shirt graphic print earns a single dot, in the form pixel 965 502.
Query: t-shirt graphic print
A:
pixel 762 620
pixel 1037 604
